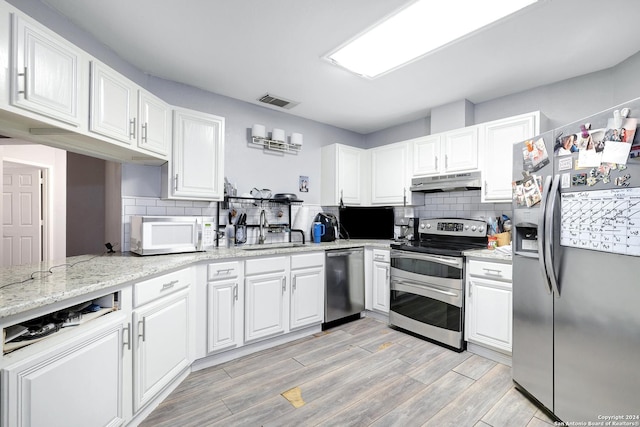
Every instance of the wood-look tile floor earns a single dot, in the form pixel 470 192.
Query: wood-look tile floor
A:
pixel 362 373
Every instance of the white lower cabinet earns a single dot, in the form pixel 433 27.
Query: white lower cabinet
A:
pixel 381 276
pixel 489 305
pixel 225 297
pixel 307 289
pixel 77 383
pixel 266 297
pixel 162 333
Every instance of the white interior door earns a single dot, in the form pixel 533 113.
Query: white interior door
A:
pixel 21 216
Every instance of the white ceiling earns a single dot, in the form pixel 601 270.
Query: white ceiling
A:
pixel 246 48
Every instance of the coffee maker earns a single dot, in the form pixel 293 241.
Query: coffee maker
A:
pixel 408 228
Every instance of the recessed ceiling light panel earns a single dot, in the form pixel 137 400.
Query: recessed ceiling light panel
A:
pixel 420 28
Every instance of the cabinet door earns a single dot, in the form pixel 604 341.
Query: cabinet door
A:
pixel 349 173
pixel 389 176
pixel 45 78
pixel 161 347
pixel 426 156
pixel 154 118
pixel 73 385
pixel 224 315
pixel 489 313
pixel 381 292
pixel 307 297
pixel 499 139
pixel 461 150
pixel 113 104
pixel 264 305
pixel 198 155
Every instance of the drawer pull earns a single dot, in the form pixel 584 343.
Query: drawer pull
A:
pixel 224 271
pixel 169 285
pixel 492 271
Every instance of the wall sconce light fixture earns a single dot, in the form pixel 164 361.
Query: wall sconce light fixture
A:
pixel 278 140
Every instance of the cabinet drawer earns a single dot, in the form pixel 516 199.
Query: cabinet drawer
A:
pixel 151 289
pixel 315 259
pixel 265 265
pixel 492 270
pixel 223 270
pixel 381 255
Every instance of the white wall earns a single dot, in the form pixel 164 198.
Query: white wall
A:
pixel 55 161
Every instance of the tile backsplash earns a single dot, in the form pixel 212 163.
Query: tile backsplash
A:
pixel 460 204
pixel 455 204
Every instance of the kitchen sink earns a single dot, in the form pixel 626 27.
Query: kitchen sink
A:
pixel 273 246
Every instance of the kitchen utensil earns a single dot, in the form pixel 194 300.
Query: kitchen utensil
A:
pixel 261 194
pixel 289 197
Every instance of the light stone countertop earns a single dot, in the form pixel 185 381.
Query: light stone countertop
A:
pixel 61 280
pixel 488 254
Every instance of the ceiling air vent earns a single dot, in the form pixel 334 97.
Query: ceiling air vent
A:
pixel 277 101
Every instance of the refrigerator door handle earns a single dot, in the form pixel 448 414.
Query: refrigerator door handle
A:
pixel 542 237
pixel 548 241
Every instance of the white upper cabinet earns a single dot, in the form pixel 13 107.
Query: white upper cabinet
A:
pixel 154 124
pixel 342 171
pixel 113 104
pixel 196 167
pixel 123 111
pixel 46 72
pixel 448 152
pixel 498 140
pixel 460 150
pixel 390 180
pixel 426 155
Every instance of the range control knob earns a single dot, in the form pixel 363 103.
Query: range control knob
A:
pixel 466 227
pixel 473 228
pixel 481 229
pixel 428 225
pixel 422 226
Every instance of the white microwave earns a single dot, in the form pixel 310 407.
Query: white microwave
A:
pixel 154 235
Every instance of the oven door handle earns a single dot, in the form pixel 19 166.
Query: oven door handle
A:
pixel 423 286
pixel 451 261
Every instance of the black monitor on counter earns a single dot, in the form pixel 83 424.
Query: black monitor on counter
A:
pixel 366 222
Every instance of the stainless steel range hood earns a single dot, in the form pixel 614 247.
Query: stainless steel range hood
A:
pixel 452 182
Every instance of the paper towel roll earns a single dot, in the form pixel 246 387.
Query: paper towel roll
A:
pixel 301 221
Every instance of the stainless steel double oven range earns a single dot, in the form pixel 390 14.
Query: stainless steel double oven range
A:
pixel 428 282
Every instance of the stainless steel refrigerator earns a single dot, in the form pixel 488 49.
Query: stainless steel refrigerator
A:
pixel 576 267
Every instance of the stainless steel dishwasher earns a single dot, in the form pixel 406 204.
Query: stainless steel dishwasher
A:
pixel 344 286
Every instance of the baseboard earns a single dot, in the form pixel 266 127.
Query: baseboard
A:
pixel 494 355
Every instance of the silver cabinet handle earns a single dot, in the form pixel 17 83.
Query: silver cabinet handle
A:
pixel 235 292
pixel 176 183
pixel 169 285
pixel 24 82
pixel 486 187
pixel 224 271
pixel 142 327
pixel 388 273
pixel 492 271
pixel 132 128
pixel 446 161
pixel 144 132
pixel 126 333
pixel 293 283
pixel 284 284
pixel 436 162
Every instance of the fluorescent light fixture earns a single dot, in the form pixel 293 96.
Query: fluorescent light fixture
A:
pixel 420 28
